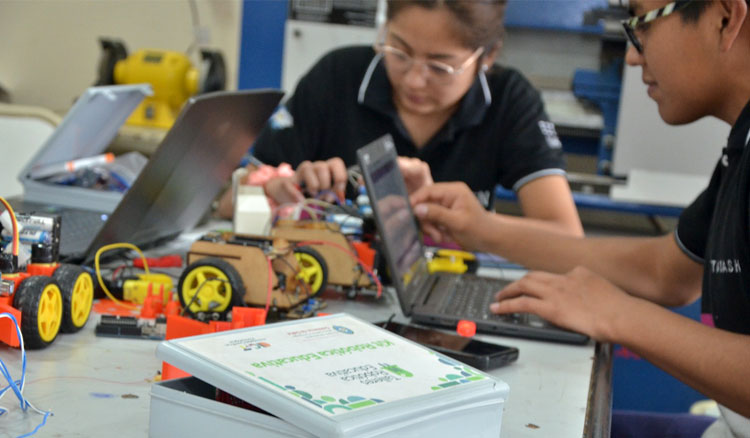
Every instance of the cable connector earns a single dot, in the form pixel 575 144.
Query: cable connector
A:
pixel 6 288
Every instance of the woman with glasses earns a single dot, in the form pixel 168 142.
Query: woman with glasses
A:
pixel 430 81
pixel 695 60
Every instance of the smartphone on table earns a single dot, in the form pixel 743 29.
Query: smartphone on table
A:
pixel 478 354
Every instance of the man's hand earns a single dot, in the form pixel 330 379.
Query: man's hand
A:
pixel 451 212
pixel 580 300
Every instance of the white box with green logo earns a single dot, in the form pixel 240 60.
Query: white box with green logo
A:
pixel 333 376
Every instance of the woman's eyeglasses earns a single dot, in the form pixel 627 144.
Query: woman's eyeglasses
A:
pixel 439 72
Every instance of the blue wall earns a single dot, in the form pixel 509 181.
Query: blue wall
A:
pixel 262 43
pixel 563 15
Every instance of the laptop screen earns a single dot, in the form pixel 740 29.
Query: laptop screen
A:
pixel 193 162
pixel 397 226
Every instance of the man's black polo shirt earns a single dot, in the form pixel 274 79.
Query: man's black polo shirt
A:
pixel 715 231
pixel 500 133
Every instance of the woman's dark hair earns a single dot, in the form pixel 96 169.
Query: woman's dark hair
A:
pixel 479 22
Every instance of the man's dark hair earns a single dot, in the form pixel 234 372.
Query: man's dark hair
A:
pixel 692 12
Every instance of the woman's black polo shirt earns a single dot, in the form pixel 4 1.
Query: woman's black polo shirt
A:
pixel 715 231
pixel 500 133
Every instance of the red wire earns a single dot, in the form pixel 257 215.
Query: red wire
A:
pixel 117 271
pixel 350 254
pixel 270 287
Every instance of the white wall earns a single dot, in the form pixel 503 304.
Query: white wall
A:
pixel 667 165
pixel 549 59
pixel 305 42
pixel 646 142
pixel 49 49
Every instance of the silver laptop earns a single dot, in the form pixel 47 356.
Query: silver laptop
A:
pixel 175 188
pixel 440 298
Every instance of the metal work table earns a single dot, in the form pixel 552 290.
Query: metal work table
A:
pixel 97 386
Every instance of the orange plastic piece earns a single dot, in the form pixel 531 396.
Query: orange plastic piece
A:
pixel 169 372
pixel 42 268
pixel 466 328
pixel 153 304
pixel 180 327
pixel 173 308
pixel 148 308
pixel 108 307
pixel 8 334
pixel 219 326
pixel 365 253
pixel 248 317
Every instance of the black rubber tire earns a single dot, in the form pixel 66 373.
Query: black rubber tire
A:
pixel 27 300
pixel 67 276
pixel 321 264
pixel 234 278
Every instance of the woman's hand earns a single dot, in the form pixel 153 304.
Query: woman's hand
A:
pixel 314 177
pixel 283 190
pixel 416 173
pixel 311 177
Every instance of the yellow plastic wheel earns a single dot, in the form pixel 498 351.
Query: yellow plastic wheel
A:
pixel 49 312
pixel 312 269
pixel 77 288
pixel 210 285
pixel 41 305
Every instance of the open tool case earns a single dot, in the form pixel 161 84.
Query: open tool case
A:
pixel 86 130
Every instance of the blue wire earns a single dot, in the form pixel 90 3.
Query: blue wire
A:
pixel 4 369
pixel 16 386
pixel 39 426
pixel 323 193
pixel 124 185
pixel 4 390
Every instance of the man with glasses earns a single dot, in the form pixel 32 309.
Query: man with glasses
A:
pixel 695 59
pixel 429 81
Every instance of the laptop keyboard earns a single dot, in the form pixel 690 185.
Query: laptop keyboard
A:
pixel 471 299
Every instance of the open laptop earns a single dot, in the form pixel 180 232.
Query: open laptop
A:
pixel 440 299
pixel 175 188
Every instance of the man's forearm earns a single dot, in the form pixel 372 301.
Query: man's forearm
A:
pixel 633 264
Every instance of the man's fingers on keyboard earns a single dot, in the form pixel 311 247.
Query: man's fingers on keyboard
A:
pixel 534 284
pixel 511 305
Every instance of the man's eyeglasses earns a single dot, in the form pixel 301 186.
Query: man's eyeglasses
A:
pixel 633 24
pixel 439 72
